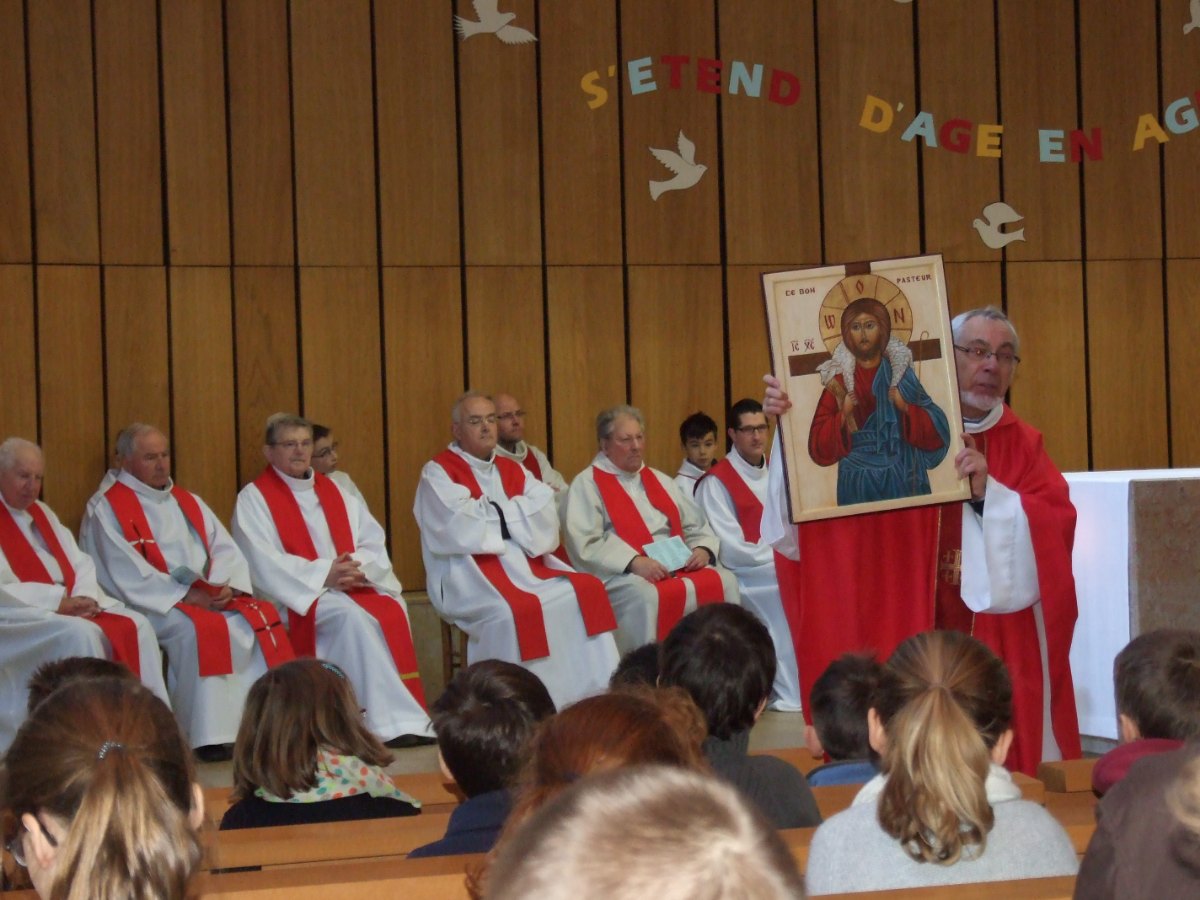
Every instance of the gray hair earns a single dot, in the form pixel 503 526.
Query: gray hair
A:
pixel 280 420
pixel 607 420
pixel 11 449
pixel 456 410
pixel 130 434
pixel 985 312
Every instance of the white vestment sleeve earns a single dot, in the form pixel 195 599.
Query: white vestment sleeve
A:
pixel 531 517
pixel 590 545
pixel 290 580
pixel 370 546
pixel 451 522
pixel 777 528
pixel 999 569
pixel 122 570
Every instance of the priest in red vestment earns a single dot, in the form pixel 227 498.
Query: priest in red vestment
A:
pixel 998 566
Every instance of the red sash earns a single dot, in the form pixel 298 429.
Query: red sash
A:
pixel 530 462
pixel 631 528
pixel 590 594
pixel 293 533
pixel 121 631
pixel 748 507
pixel 212 631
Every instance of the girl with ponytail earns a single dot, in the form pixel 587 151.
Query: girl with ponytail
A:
pixel 943 809
pixel 101 789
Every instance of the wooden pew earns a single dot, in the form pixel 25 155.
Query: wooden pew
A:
pixel 1067 776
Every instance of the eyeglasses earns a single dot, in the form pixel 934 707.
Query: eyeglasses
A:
pixel 509 416
pixel 752 429
pixel 292 445
pixel 321 454
pixel 979 354
pixel 476 421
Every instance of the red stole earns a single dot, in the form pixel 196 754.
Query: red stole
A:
pixel 212 631
pixel 631 528
pixel 530 462
pixel 121 631
pixel 293 534
pixel 748 507
pixel 590 594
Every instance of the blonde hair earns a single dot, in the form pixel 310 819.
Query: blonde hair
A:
pixel 107 758
pixel 944 700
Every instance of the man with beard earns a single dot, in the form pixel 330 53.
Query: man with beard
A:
pixel 874 419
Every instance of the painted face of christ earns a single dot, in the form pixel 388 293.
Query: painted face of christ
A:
pixel 866 329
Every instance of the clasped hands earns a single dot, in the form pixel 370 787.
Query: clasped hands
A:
pixel 653 570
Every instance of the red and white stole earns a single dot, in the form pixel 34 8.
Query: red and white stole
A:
pixel 746 505
pixel 212 631
pixel 590 594
pixel 631 528
pixel 121 631
pixel 530 462
pixel 293 534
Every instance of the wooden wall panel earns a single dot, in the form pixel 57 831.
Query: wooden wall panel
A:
pixel 681 226
pixel 1045 303
pixel 128 134
pixel 334 133
pixel 587 357
pixel 1183 299
pixel 18 365
pixel 64 144
pixel 418 178
pixel 770 156
pixel 1037 53
pixel 203 442
pixel 1181 156
pixel 260 132
pixel 581 145
pixel 422 320
pixel 972 285
pixel 71 380
pixel 265 315
pixel 499 143
pixel 958 81
pixel 675 351
pixel 749 347
pixel 193 48
pixel 1122 194
pixel 506 350
pixel 870 179
pixel 1128 374
pixel 339 356
pixel 16 235
pixel 137 376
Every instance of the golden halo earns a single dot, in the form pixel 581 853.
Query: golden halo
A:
pixel 852 288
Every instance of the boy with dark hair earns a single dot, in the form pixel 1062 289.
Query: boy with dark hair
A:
pixel 722 655
pixel 483 722
pixel 1157 681
pixel 838 705
pixel 698 435
pixel 637 667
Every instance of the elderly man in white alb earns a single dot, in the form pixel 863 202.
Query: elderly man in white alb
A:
pixel 732 495
pixel 487 531
pixel 318 551
pixel 162 550
pixel 510 443
pixel 46 578
pixel 631 526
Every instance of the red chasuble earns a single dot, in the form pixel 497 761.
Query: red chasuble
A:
pixel 121 631
pixel 631 528
pixel 526 608
pixel 212 631
pixel 296 540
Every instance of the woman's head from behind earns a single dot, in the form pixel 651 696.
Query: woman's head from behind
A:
pixel 100 781
pixel 940 719
pixel 292 712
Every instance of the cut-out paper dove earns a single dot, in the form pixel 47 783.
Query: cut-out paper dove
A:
pixel 492 21
pixel 683 164
pixel 1195 23
pixel 995 216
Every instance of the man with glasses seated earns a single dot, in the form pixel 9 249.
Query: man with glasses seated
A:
pixel 488 529
pixel 316 550
pixel 731 494
pixel 998 566
pixel 510 443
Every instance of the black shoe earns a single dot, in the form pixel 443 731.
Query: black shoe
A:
pixel 213 753
pixel 404 741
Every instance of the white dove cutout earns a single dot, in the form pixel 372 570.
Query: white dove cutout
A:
pixel 492 21
pixel 996 215
pixel 1195 23
pixel 683 164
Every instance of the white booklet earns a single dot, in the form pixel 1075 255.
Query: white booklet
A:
pixel 672 552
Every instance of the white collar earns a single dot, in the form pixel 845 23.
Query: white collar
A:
pixel 518 454
pixel 744 468
pixel 604 464
pixel 153 494
pixel 298 484
pixel 977 426
pixel 483 465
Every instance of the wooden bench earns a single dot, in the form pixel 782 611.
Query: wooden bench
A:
pixel 1067 776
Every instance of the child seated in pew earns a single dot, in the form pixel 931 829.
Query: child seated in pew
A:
pixel 646 831
pixel 483 722
pixel 838 705
pixel 698 436
pixel 638 666
pixel 1157 681
pixel 100 785
pixel 944 810
pixel 303 754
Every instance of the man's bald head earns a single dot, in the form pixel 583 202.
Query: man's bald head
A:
pixel 510 421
